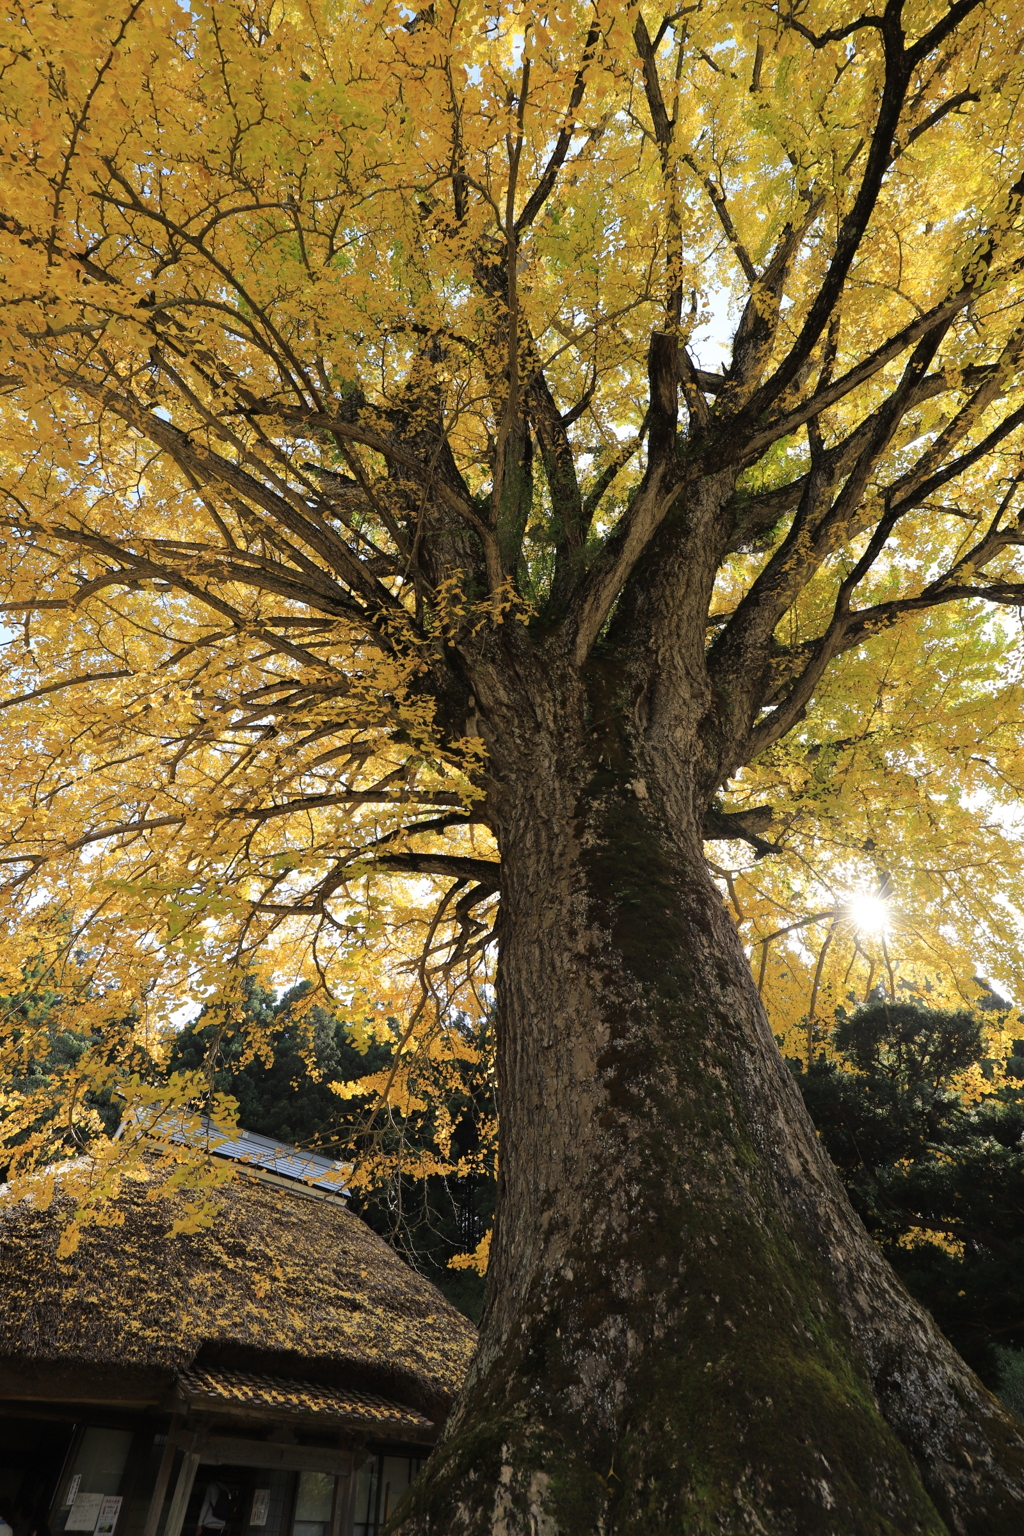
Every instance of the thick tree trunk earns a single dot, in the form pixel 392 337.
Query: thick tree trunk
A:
pixel 687 1329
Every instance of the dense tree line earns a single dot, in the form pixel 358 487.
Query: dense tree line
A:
pixel 938 1179
pixel 936 1176
pixel 430 1219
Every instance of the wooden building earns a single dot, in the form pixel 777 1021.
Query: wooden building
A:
pixel 281 1373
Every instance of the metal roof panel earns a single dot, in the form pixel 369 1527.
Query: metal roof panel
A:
pixel 255 1151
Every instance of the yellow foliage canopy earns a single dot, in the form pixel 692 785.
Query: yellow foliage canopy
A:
pixel 325 335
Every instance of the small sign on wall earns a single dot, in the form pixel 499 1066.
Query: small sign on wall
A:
pixel 84 1512
pixel 260 1507
pixel 72 1491
pixel 109 1511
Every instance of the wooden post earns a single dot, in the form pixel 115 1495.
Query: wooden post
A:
pixel 341 1503
pixel 344 1514
pixel 182 1490
pixel 163 1477
pixel 344 1505
pixel 336 1507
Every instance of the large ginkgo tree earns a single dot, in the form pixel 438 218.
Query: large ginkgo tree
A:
pixel 456 463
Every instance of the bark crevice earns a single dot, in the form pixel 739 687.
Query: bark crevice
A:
pixel 687 1328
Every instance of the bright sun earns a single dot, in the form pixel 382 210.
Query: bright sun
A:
pixel 868 913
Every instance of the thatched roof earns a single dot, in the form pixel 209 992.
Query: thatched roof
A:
pixel 283 1283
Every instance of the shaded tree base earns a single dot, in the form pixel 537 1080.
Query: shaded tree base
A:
pixel 775 1433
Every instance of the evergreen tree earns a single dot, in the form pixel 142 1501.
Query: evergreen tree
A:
pixel 287 1094
pixel 938 1182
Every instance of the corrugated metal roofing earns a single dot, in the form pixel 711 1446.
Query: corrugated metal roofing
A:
pixel 224 1389
pixel 246 1147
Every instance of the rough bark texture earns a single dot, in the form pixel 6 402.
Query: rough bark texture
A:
pixel 687 1330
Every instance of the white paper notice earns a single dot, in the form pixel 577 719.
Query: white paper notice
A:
pixel 109 1511
pixel 72 1493
pixel 84 1512
pixel 260 1506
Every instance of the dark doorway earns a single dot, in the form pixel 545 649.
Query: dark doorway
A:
pixel 32 1455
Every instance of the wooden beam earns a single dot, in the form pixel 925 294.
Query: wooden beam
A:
pixel 84 1382
pixel 338 1502
pixel 182 1491
pixel 163 1477
pixel 344 1512
pixel 230 1450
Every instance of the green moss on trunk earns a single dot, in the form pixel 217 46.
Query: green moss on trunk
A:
pixel 686 1327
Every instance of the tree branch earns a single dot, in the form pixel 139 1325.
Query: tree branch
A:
pixel 205 465
pixel 484 872
pixel 542 191
pixel 898 68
